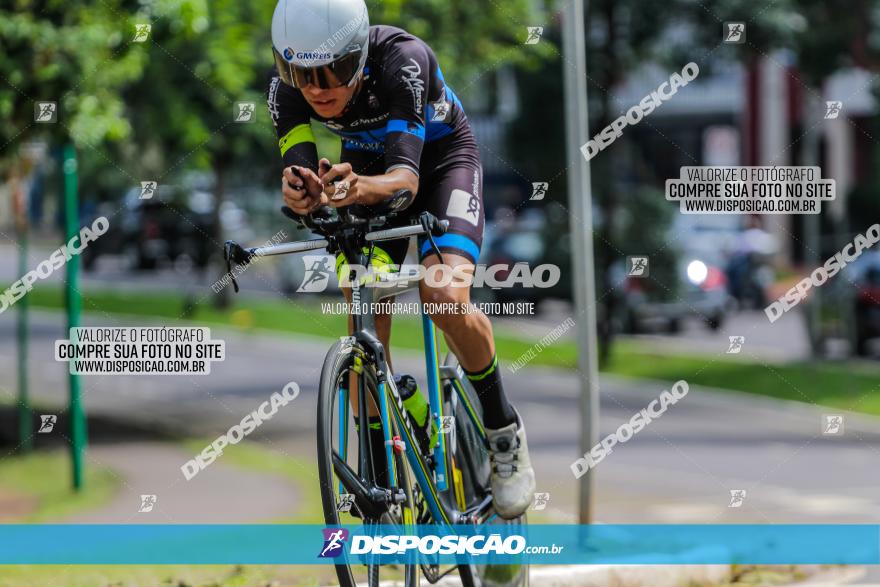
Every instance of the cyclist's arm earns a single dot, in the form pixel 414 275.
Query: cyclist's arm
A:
pixel 375 188
pixel 290 116
pixel 406 82
pixel 373 184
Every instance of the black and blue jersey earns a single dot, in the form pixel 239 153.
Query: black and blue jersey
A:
pixel 403 115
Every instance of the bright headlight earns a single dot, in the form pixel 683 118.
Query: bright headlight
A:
pixel 697 272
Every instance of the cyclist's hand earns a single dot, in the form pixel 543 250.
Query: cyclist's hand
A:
pixel 310 180
pixel 302 195
pixel 344 189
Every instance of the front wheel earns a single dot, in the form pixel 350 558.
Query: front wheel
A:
pixel 346 366
pixel 468 463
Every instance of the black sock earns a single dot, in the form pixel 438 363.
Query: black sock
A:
pixel 497 411
pixel 376 440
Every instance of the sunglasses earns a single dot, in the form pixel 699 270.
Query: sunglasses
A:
pixel 332 75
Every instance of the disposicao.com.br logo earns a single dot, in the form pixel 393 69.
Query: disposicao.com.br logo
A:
pixel 430 544
pixel 334 541
pixel 319 274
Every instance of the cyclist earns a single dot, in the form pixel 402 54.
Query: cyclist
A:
pixel 381 90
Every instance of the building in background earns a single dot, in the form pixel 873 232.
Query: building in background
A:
pixel 757 114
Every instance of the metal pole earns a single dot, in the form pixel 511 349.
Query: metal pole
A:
pixel 71 223
pixel 810 145
pixel 25 424
pixel 581 227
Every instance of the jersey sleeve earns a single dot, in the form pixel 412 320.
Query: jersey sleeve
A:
pixel 406 80
pixel 290 116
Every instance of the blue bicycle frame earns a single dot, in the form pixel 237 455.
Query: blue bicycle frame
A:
pixel 431 478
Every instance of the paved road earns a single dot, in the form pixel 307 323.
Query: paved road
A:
pixel 211 497
pixel 681 468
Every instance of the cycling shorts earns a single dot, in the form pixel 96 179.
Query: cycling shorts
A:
pixel 454 194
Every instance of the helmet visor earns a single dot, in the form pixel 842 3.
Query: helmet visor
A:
pixel 332 75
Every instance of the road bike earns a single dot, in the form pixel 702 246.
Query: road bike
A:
pixel 445 483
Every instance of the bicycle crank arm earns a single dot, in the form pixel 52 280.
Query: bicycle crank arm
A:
pixel 480 513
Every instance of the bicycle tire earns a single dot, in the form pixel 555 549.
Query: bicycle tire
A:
pixel 471 452
pixel 338 364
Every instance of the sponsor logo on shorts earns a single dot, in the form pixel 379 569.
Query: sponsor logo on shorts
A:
pixel 465 206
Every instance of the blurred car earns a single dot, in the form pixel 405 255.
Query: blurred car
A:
pixel 527 240
pixel 172 225
pixel 706 234
pixel 862 277
pixel 110 242
pixel 693 286
pixel 683 282
pixel 867 302
pixel 175 225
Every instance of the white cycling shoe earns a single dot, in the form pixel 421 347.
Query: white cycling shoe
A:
pixel 512 478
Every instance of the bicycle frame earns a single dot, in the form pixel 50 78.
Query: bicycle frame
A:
pixel 431 479
pixel 431 476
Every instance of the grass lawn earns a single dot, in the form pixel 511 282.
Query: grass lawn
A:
pixel 836 385
pixel 844 386
pixel 37 487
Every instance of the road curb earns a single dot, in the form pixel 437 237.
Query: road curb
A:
pixel 855 421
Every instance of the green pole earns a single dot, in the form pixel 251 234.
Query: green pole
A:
pixel 71 223
pixel 25 424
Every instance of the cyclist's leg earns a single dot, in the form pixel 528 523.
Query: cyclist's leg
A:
pixel 469 335
pixel 455 195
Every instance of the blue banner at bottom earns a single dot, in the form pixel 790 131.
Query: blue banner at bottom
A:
pixel 483 544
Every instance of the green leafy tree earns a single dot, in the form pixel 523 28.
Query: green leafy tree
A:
pixel 471 39
pixel 77 55
pixel 203 60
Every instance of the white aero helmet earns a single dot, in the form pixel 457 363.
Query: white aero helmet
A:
pixel 320 42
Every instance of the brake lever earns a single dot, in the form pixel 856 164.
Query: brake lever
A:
pixel 428 222
pixel 233 252
pixel 227 256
